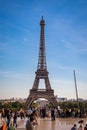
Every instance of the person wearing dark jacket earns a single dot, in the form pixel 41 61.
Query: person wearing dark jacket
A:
pixel 74 127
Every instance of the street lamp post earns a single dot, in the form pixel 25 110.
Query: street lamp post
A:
pixel 76 88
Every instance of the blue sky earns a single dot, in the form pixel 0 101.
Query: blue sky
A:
pixel 65 39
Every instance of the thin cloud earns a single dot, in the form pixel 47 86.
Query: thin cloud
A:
pixel 16 26
pixel 74 47
pixel 82 50
pixel 63 67
pixel 14 75
pixel 68 44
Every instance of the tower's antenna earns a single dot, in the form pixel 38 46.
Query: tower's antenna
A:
pixel 42 12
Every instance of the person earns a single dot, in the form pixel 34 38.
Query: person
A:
pixel 29 124
pixel 52 114
pixel 80 127
pixel 34 113
pixel 11 127
pixel 74 127
pixel 15 119
pixel 8 117
pixel 85 128
pixel 4 126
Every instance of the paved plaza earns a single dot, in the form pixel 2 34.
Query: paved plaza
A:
pixel 58 124
pixel 47 124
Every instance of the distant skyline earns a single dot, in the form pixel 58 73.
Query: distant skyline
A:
pixel 65 41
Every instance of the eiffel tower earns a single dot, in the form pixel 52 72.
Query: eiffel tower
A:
pixel 41 73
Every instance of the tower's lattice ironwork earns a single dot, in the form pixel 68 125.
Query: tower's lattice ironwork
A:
pixel 41 73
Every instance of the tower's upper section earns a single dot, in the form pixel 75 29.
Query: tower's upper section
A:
pixel 42 55
pixel 42 22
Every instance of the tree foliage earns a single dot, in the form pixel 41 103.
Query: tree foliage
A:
pixel 73 105
pixel 16 106
pixel 12 105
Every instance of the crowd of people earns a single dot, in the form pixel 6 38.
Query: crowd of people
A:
pixel 9 121
pixel 81 127
pixel 10 117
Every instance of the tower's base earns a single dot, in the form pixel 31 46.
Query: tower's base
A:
pixel 41 93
